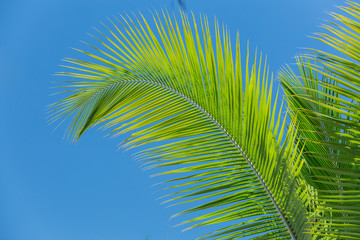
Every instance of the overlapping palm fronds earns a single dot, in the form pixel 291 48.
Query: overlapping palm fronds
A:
pixel 325 101
pixel 228 151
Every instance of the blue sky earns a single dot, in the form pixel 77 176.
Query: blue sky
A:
pixel 53 189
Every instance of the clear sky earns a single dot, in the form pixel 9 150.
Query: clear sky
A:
pixel 51 189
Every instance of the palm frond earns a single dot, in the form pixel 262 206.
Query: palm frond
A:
pixel 228 151
pixel 325 100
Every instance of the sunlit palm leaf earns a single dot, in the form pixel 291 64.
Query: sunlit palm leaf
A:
pixel 325 100
pixel 225 154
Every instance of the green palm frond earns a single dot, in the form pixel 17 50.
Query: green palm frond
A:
pixel 325 100
pixel 228 152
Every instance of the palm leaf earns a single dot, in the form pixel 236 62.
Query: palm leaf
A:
pixel 325 99
pixel 220 139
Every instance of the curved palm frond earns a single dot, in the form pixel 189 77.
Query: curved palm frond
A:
pixel 325 100
pixel 225 154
